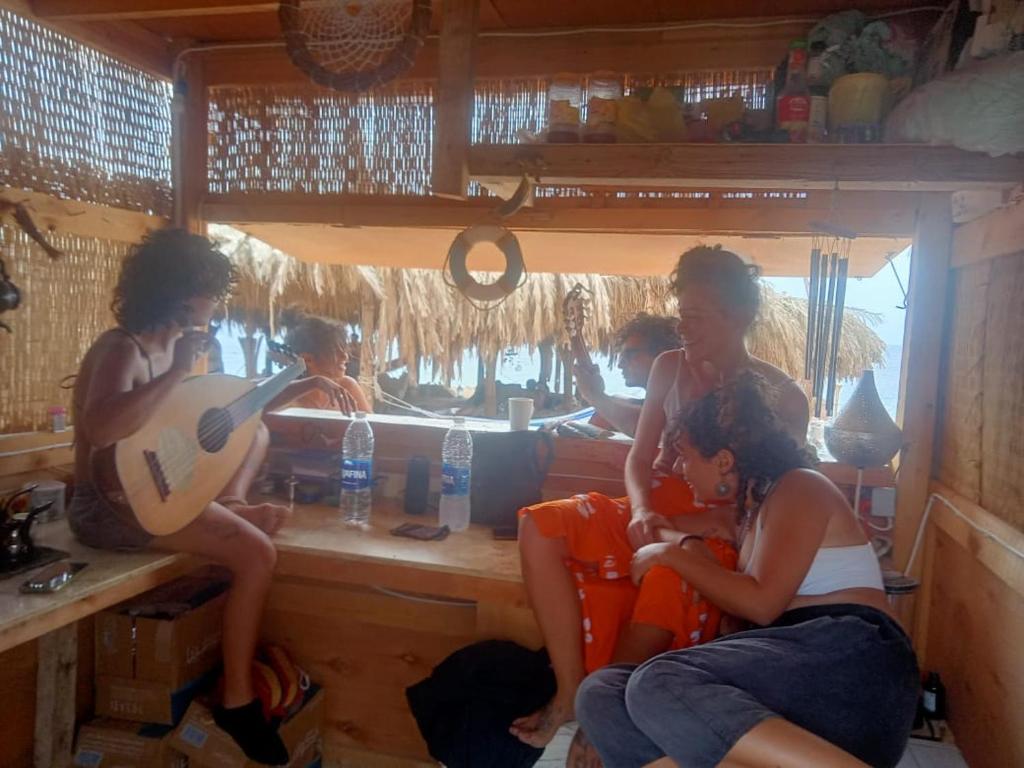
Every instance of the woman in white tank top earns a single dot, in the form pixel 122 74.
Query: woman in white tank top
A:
pixel 826 677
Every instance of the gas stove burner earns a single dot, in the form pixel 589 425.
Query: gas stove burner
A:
pixel 40 556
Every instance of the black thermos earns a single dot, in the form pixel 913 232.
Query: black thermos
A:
pixel 417 485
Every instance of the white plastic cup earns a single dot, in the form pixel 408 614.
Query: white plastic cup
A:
pixel 520 411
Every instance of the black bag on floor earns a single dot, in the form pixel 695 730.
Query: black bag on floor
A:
pixel 464 709
pixel 509 469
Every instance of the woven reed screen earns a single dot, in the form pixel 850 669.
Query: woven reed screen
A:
pixel 76 123
pixel 65 305
pixel 308 139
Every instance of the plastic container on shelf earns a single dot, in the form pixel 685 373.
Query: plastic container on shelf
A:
pixel 858 100
pixel 604 90
pixel 565 95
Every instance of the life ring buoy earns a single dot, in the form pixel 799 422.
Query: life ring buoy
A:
pixel 505 242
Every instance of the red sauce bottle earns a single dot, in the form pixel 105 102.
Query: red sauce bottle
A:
pixel 793 105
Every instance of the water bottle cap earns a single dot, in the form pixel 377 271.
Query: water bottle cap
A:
pixel 360 414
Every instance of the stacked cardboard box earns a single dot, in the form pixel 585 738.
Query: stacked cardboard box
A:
pixel 209 747
pixel 154 654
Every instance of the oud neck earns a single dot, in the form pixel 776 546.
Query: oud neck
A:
pixel 257 399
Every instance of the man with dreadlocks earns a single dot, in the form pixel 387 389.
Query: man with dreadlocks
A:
pixel 167 291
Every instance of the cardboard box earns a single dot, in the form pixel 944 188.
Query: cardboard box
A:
pixel 207 746
pixel 144 701
pixel 169 635
pixel 105 743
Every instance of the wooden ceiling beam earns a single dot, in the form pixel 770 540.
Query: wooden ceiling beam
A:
pixel 74 217
pixel 527 56
pixel 894 167
pixel 112 10
pixel 889 215
pixel 124 40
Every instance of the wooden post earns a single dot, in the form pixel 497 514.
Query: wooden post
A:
pixel 547 352
pixel 55 697
pixel 570 395
pixel 454 110
pixel 367 327
pixel 922 351
pixel 191 145
pixel 490 384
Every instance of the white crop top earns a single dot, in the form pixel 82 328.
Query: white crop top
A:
pixel 836 568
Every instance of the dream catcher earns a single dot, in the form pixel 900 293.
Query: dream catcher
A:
pixel 354 45
pixel 826 302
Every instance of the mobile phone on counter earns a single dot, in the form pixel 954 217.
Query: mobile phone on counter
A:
pixel 51 578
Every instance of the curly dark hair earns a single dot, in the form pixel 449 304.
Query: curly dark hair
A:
pixel 161 273
pixel 311 334
pixel 735 283
pixel 738 417
pixel 660 332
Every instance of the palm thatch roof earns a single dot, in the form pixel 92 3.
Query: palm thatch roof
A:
pixel 428 320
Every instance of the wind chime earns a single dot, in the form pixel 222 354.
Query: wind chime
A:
pixel 826 302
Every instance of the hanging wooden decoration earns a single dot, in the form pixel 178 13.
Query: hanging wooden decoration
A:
pixel 354 45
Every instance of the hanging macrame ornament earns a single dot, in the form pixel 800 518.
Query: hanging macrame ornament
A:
pixel 354 45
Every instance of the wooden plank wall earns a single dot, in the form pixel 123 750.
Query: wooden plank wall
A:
pixel 18 669
pixel 971 624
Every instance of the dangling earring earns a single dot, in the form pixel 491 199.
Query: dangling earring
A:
pixel 722 489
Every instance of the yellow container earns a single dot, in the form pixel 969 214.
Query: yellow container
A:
pixel 860 99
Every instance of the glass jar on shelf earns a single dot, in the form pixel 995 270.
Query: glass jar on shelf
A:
pixel 604 90
pixel 565 94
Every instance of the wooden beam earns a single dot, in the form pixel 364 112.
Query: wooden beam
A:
pixel 897 167
pixel 126 41
pixel 55 700
pixel 996 234
pixel 684 50
pixel 73 217
pixel 870 215
pixel 919 386
pixel 454 105
pixel 107 10
pixel 191 146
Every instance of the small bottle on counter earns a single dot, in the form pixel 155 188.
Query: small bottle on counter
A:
pixel 357 471
pixel 604 91
pixel 565 94
pixel 58 418
pixel 456 465
pixel 793 105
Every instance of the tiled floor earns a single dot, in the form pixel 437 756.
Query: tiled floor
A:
pixel 920 754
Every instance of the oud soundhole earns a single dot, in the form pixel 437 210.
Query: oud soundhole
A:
pixel 214 429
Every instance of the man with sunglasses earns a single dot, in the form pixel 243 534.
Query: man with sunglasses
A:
pixel 638 344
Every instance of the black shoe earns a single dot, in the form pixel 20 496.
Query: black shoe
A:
pixel 245 724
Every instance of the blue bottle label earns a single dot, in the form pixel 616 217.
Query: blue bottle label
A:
pixel 356 474
pixel 454 480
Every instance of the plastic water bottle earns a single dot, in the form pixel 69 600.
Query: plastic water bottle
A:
pixel 456 462
pixel 357 470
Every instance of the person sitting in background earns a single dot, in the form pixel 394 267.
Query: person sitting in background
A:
pixel 638 343
pixel 323 344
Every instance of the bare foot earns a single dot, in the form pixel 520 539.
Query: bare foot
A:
pixel 582 753
pixel 540 728
pixel 267 517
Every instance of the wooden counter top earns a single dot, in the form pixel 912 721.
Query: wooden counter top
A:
pixel 469 565
pixel 110 578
